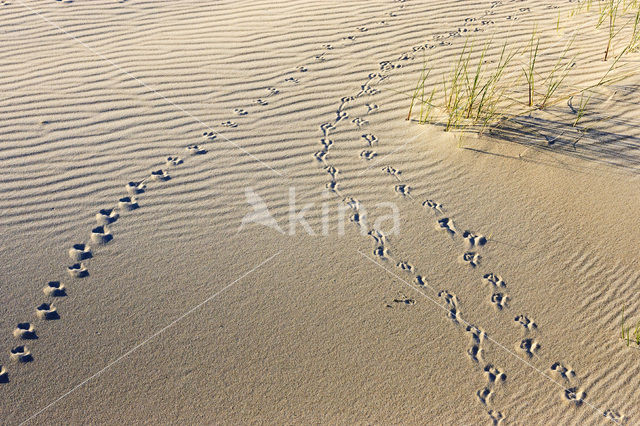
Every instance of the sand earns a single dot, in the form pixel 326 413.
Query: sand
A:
pixel 177 307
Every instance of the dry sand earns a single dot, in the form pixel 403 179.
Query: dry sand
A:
pixel 184 318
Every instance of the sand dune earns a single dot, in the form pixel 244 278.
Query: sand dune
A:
pixel 136 137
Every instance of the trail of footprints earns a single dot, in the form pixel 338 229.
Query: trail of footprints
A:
pixel 473 242
pixel 81 253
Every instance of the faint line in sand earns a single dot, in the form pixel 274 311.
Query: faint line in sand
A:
pixel 142 83
pixel 500 345
pixel 145 341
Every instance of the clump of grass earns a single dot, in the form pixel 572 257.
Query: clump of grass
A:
pixel 626 332
pixel 529 72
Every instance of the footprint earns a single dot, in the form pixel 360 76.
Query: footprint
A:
pixel 320 156
pixel 529 347
pixel 402 300
pixel 210 135
pixel 195 150
pixel 21 354
pixel 104 217
pixel 369 139
pixel 368 155
pixel 565 372
pixel 77 270
pixel 446 224
pixel 452 303
pixel 392 171
pixel 80 252
pixel 173 161
pixel 353 204
pixel 327 46
pixel 229 123
pixel 473 240
pixel 614 415
pixel 377 236
pixel 54 289
pixel 471 258
pixel 496 417
pixel 128 203
pixel 47 311
pixel 261 102
pixel 405 266
pixel 402 189
pixel 327 143
pixel 484 395
pixel 272 91
pixel 499 300
pixel 380 252
pixel 526 322
pixel 437 207
pixel 477 337
pixel 494 279
pixel 25 331
pixel 575 396
pixel 320 57
pixel 4 375
pixel 341 115
pixel 292 80
pixel 332 186
pixel 239 111
pixel 134 188
pixel 101 235
pixel 333 172
pixel 371 108
pixel 160 175
pixel 302 68
pixel 494 374
pixel 419 280
pixel 359 122
pixel 362 29
pixel 326 128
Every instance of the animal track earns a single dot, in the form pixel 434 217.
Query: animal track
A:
pixel 341 115
pixel 496 417
pixel 392 171
pixel 529 347
pixel 564 372
pixel 575 396
pixel 261 102
pixel 21 354
pixel 368 155
pixel 302 68
pixel 484 395
pixel 4 375
pixel 525 322
pixel 326 128
pixel 614 415
pixel 437 207
pixel 494 374
pixel 499 300
pixel 229 123
pixel 369 138
pixel 173 161
pixel 80 252
pixel 195 150
pixel 359 121
pixel 419 280
pixel 210 135
pixel 54 289
pixel 477 336
pixel 134 188
pixel 402 300
pixel 25 331
pixel 320 156
pixel 128 203
pixel 405 266
pixel 371 108
pixel 292 80
pixel 104 217
pixel 272 91
pixel 452 304
pixel 239 111
pixel 77 270
pixel 473 240
pixel 101 235
pixel 495 280
pixel 471 258
pixel 402 189
pixel 160 175
pixel 47 311
pixel 446 224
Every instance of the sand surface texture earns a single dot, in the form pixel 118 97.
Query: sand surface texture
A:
pixel 136 136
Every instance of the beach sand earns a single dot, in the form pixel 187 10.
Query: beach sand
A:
pixel 185 310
